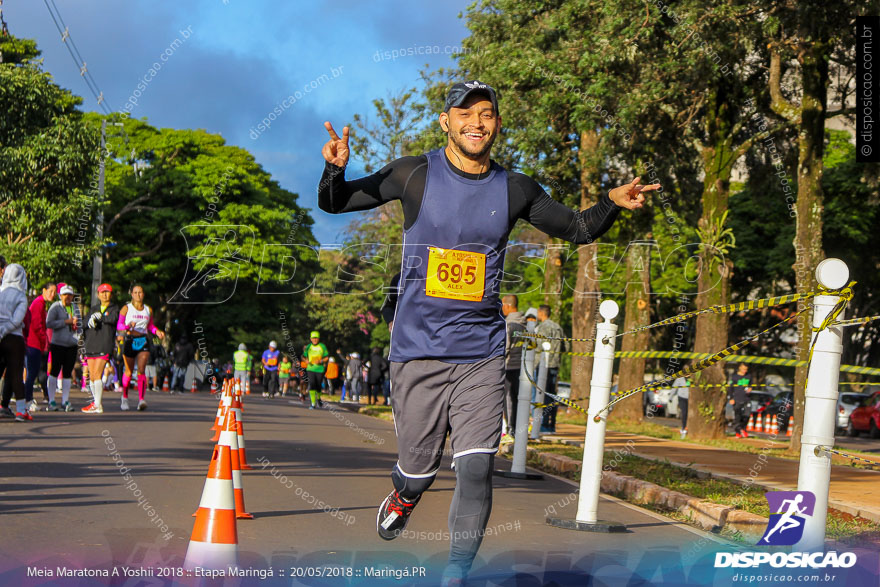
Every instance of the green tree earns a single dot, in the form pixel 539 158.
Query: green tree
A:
pixel 48 164
pixel 207 231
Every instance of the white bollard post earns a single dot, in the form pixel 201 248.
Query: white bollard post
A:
pixel 594 441
pixel 521 430
pixel 538 413
pixel 820 407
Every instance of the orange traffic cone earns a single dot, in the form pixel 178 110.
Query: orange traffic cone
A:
pixel 221 416
pixel 790 425
pixel 229 437
pixel 247 386
pixel 165 385
pixel 214 540
pixel 759 423
pixel 750 427
pixel 241 453
pixel 193 388
pixel 774 427
pixel 213 385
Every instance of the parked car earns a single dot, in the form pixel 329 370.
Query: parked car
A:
pixel 846 403
pixel 657 401
pixel 866 417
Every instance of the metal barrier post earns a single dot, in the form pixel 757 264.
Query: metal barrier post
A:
pixel 538 413
pixel 521 431
pixel 594 441
pixel 820 407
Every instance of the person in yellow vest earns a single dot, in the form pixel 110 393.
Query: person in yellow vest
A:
pixel 317 356
pixel 241 361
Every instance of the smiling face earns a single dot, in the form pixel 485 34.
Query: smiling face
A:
pixel 49 292
pixel 473 127
pixel 66 299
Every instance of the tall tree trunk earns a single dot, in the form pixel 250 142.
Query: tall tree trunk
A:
pixel 638 313
pixel 811 145
pixel 553 278
pixel 707 419
pixel 586 295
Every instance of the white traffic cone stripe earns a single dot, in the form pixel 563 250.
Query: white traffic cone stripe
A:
pixel 217 495
pixel 211 556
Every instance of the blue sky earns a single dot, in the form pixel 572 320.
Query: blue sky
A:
pixel 241 60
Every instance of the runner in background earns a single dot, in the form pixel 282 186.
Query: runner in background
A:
pixel 316 355
pixel 136 322
pixel 270 370
pixel 100 336
pixel 284 368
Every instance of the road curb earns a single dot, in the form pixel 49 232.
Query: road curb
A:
pixel 706 514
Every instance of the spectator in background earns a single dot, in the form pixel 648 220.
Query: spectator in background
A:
pixel 13 307
pixel 376 375
pixel 332 375
pixel 516 322
pixel 182 356
pixel 2 266
pixel 353 376
pixel 682 387
pixel 550 329
pixel 738 396
pixel 37 343
pixel 64 319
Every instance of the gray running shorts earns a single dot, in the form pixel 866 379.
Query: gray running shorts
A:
pixel 430 398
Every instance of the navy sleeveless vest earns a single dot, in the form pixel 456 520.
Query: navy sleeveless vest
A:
pixel 453 259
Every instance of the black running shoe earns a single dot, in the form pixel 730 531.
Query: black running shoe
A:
pixel 393 515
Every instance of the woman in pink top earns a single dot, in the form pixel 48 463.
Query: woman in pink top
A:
pixel 136 323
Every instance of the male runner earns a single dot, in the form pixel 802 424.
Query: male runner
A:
pixel 270 360
pixel 447 345
pixel 317 356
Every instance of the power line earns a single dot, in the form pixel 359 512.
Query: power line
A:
pixel 84 72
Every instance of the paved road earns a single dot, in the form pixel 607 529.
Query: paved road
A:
pixel 64 502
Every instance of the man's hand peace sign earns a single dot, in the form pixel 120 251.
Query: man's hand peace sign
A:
pixel 335 150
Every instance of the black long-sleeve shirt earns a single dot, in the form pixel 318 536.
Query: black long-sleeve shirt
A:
pixel 404 180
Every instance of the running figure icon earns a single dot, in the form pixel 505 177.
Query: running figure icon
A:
pixel 786 522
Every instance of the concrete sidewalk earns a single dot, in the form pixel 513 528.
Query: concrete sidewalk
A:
pixel 854 491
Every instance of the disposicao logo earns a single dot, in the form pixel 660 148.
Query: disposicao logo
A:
pixel 788 513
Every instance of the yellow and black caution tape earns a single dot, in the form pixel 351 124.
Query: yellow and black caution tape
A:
pixel 556 398
pixel 565 402
pixel 697 367
pixel 855 321
pixel 776 361
pixel 846 295
pixel 820 449
pixel 719 309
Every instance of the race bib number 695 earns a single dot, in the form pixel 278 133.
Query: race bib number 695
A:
pixel 456 275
